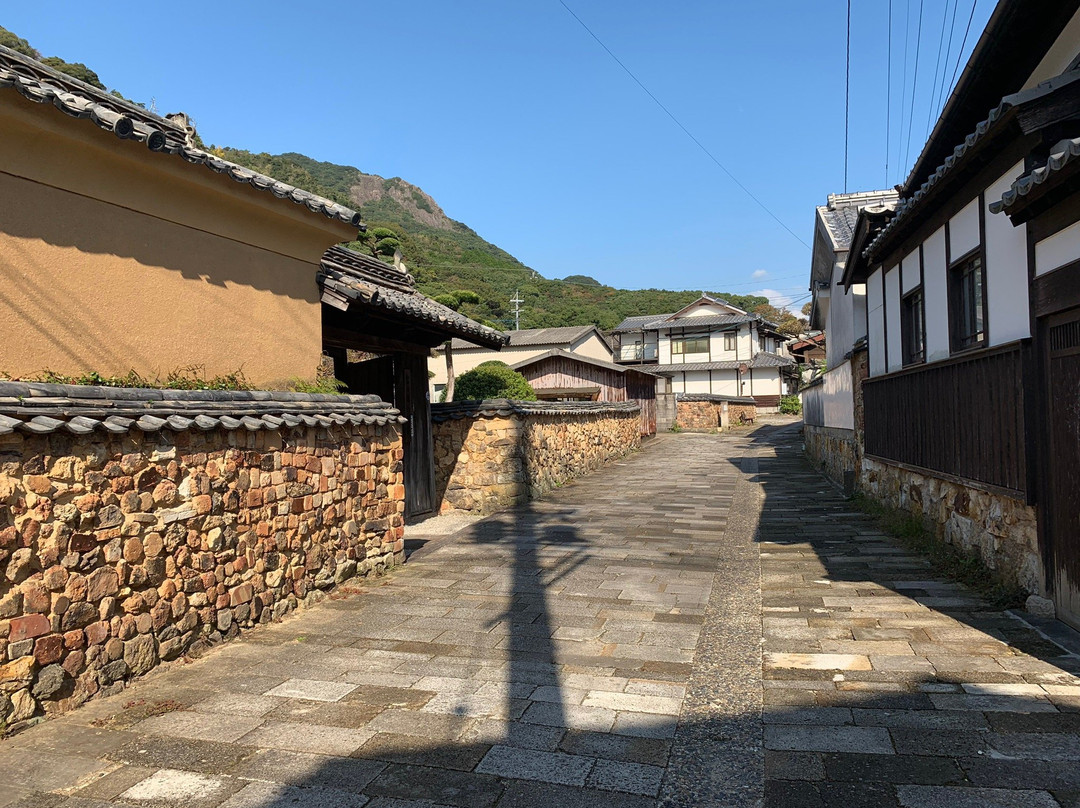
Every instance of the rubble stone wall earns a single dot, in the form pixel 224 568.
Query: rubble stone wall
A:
pixel 120 551
pixel 1000 529
pixel 833 451
pixel 701 413
pixel 484 463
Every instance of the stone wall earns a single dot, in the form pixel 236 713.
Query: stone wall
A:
pixel 833 451
pixel 706 412
pixel 494 454
pixel 999 529
pixel 120 550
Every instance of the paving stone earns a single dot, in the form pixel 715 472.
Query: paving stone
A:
pixel 794 765
pixel 306 770
pixel 298 737
pixel 914 796
pixel 530 795
pixel 198 726
pixel 436 726
pixel 631 702
pixel 547 767
pixel 206 757
pixel 243 704
pixel 633 778
pixel 838 662
pixel 599 719
pixel 312 690
pixel 413 750
pixel 472 790
pixel 34 770
pixel 650 751
pixel 269 795
pixel 169 787
pixel 828 739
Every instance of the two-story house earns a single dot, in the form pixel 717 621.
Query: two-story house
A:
pixel 711 347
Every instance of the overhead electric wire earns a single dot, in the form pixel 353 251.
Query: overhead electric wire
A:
pixel 679 123
pixel 960 54
pixel 888 100
pixel 847 95
pixel 914 85
pixel 903 87
pixel 937 70
pixel 939 86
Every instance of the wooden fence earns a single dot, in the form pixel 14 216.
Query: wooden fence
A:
pixel 963 417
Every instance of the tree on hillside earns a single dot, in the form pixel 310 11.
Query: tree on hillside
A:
pixel 74 69
pixel 807 308
pixel 379 241
pixel 784 320
pixel 17 43
pixel 453 300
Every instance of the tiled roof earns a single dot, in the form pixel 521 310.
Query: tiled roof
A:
pixel 1063 153
pixel 36 408
pixel 588 360
pixel 762 359
pixel 841 224
pixel 906 207
pixel 501 407
pixel 657 321
pixel 531 337
pixel 353 277
pixel 40 83
pixel 714 397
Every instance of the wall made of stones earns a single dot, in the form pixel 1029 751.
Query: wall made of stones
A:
pixel 484 464
pixel 742 413
pixel 695 415
pixel 118 552
pixel 999 529
pixel 833 451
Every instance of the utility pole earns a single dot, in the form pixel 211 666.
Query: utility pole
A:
pixel 517 301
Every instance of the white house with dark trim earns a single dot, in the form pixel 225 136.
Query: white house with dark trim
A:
pixel 710 347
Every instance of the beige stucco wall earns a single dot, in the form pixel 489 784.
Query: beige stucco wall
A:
pixel 114 258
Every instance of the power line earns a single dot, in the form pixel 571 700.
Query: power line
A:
pixel 678 123
pixel 888 100
pixel 903 87
pixel 914 85
pixel 960 53
pixel 847 95
pixel 937 70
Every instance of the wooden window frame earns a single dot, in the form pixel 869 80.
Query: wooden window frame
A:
pixel 731 341
pixel 678 344
pixel 958 272
pixel 912 340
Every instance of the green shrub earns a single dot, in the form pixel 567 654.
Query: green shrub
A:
pixel 790 405
pixel 493 379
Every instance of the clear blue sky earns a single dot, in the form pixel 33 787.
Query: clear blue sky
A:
pixel 521 126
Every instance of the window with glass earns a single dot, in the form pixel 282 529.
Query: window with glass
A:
pixel 913 327
pixel 690 344
pixel 729 340
pixel 967 306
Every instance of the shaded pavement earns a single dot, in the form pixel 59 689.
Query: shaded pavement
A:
pixel 704 623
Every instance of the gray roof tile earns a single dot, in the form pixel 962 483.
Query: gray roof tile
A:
pixel 762 359
pixel 588 360
pixel 1063 153
pixel 40 83
pixel 370 282
pixel 39 408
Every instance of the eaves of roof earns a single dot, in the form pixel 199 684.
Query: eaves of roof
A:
pixel 761 360
pixel 504 408
pixel 1061 165
pixel 40 83
pixel 36 409
pixel 558 353
pixel 348 278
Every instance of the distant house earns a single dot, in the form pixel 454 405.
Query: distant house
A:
pixel 126 246
pixel 710 347
pixel 969 413
pixel 559 375
pixel 584 340
pixel 808 350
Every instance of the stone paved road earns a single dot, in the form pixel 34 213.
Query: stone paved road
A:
pixel 604 648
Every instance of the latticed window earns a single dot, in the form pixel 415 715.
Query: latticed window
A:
pixel 913 327
pixel 967 305
pixel 729 340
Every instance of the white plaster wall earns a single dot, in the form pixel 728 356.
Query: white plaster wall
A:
pixel 875 316
pixel 725 383
pixel 964 230
pixel 747 336
pixel 936 297
pixel 839 323
pixel 766 382
pixel 858 308
pixel 838 397
pixel 1060 249
pixel 910 272
pixel 893 349
pixel 594 347
pixel 1006 269
pixel 664 348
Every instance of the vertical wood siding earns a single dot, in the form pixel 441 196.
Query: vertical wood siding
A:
pixel 559 372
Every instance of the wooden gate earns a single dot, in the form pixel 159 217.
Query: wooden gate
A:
pixel 1061 362
pixel 411 381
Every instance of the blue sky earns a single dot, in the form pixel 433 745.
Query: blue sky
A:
pixel 520 125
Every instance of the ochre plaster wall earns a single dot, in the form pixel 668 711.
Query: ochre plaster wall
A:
pixel 115 258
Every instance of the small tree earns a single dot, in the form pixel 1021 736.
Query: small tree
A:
pixel 379 241
pixel 493 379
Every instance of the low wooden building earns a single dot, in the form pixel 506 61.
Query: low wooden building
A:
pixel 558 375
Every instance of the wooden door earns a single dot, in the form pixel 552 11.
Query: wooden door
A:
pixel 411 383
pixel 1061 363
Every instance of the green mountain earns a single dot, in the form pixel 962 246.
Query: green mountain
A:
pixel 445 255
